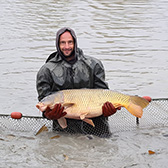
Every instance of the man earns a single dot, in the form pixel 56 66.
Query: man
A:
pixel 69 68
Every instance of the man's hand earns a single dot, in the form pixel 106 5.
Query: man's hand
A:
pixel 108 109
pixel 55 113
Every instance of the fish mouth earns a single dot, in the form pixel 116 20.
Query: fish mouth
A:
pixel 41 106
pixel 38 106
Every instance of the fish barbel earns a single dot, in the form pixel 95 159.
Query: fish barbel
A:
pixel 85 104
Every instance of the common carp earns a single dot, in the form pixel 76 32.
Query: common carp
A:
pixel 85 104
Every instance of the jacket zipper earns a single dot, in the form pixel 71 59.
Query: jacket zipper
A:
pixel 72 76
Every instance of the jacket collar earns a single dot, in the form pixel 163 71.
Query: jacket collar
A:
pixel 55 57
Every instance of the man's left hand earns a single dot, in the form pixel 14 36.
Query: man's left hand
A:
pixel 108 109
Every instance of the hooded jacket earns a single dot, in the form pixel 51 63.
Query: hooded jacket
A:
pixel 58 74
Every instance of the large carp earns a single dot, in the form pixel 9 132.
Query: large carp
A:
pixel 87 103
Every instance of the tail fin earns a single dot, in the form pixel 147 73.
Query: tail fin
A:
pixel 136 106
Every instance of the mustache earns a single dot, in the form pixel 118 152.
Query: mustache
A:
pixel 69 49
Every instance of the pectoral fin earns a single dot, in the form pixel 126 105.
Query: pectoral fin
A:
pixel 89 121
pixel 62 122
pixel 66 105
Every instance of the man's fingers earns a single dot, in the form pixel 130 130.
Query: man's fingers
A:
pixel 111 107
pixel 63 114
pixel 56 107
pixel 119 108
pixel 49 115
pixel 47 109
pixel 105 108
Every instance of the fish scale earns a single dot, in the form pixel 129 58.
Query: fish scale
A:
pixel 87 103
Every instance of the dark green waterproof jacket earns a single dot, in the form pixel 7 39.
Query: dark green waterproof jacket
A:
pixel 57 74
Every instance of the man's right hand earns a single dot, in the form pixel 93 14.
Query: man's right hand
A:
pixel 55 113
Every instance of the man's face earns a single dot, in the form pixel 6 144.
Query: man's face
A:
pixel 66 43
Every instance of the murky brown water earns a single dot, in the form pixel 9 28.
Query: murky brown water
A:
pixel 129 37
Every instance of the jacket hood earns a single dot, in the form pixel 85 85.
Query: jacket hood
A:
pixel 61 31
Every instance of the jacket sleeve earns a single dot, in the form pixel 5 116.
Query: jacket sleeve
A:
pixel 44 83
pixel 99 76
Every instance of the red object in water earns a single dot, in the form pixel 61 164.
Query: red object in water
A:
pixel 16 115
pixel 147 98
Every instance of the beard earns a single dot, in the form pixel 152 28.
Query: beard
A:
pixel 72 54
pixel 71 58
